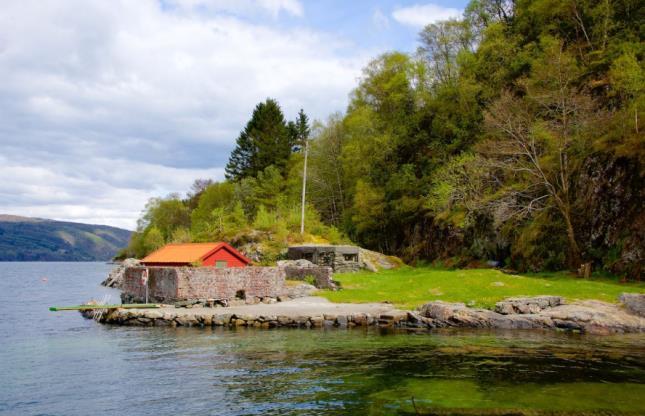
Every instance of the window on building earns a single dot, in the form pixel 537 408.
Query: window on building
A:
pixel 350 257
pixel 221 264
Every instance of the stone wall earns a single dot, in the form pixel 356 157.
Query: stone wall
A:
pixel 342 259
pixel 171 284
pixel 341 265
pixel 322 275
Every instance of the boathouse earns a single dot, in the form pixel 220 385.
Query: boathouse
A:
pixel 219 254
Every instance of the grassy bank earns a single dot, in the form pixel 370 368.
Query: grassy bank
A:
pixel 410 287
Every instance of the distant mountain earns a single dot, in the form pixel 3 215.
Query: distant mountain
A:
pixel 37 239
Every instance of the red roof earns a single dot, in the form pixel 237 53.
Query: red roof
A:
pixel 185 253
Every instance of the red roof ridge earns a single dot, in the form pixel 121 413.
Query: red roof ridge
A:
pixel 211 248
pixel 193 244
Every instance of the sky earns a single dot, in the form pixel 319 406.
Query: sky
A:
pixel 105 104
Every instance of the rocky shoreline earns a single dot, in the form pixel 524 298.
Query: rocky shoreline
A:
pixel 542 312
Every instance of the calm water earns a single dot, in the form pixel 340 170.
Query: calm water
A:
pixel 57 363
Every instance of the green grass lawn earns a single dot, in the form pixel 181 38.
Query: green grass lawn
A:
pixel 409 287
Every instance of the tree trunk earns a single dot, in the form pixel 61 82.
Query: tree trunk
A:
pixel 574 260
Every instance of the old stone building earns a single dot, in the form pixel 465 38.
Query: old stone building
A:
pixel 341 259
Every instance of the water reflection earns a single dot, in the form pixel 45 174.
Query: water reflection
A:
pixel 377 372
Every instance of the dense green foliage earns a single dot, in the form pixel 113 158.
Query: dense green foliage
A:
pixel 482 145
pixel 32 239
pixel 512 135
pixel 266 141
pixel 409 288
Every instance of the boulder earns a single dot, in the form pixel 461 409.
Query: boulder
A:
pixel 302 263
pixel 595 317
pixel 375 261
pixel 458 314
pixel 634 303
pixel 298 291
pixel 153 314
pixel 531 305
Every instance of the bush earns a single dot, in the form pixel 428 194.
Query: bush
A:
pixel 540 245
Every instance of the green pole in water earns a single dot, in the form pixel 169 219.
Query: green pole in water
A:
pixel 90 307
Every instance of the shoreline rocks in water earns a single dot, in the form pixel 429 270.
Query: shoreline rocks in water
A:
pixel 533 313
pixel 544 312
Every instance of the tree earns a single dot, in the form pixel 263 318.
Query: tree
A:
pixel 302 136
pixel 181 235
pixel 537 140
pixel 196 190
pixel 166 215
pixel 265 141
pixel 301 129
pixel 216 195
pixel 152 240
pixel 328 181
pixel 628 79
pixel 269 187
pixel 441 43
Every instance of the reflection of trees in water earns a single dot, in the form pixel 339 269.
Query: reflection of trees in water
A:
pixel 355 371
pixel 297 369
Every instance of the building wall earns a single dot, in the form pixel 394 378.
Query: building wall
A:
pixel 171 284
pixel 322 275
pixel 331 256
pixel 225 255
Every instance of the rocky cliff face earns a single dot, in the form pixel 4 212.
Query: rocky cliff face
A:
pixel 610 216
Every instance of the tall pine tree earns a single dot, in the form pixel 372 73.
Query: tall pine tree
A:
pixel 265 141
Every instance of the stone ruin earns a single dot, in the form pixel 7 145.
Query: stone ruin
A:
pixel 342 259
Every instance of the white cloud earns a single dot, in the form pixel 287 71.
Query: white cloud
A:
pixel 94 190
pixel 420 15
pixel 380 20
pixel 105 104
pixel 273 7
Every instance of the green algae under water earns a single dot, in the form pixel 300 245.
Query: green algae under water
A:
pixel 58 363
pixel 382 373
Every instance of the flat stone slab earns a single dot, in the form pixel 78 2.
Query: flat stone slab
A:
pixel 305 306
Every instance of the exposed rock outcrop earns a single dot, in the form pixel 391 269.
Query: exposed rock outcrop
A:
pixel 295 263
pixel 375 261
pixel 538 312
pixel 527 305
pixel 115 278
pixel 611 221
pixel 634 302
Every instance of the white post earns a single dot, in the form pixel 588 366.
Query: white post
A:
pixel 144 277
pixel 304 188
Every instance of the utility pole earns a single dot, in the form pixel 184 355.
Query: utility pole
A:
pixel 304 189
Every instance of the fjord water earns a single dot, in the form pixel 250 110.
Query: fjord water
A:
pixel 57 363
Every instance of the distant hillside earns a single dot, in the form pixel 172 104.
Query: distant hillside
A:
pixel 36 239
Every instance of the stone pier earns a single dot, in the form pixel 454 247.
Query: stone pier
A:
pixel 314 312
